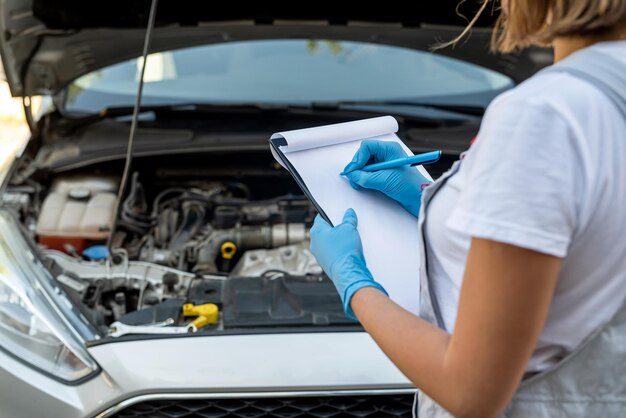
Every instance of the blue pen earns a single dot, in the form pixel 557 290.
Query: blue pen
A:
pixel 419 159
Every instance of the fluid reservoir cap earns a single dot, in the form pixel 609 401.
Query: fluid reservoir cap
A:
pixel 79 193
pixel 96 252
pixel 228 250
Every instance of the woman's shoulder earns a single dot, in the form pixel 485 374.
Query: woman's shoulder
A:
pixel 561 91
pixel 538 98
pixel 548 95
pixel 545 110
pixel 547 89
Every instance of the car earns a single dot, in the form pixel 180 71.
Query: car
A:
pixel 186 287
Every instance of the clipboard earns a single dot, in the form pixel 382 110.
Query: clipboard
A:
pixel 315 157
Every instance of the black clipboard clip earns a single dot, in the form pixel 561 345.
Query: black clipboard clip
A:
pixel 275 144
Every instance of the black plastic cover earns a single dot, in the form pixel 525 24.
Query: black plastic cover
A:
pixel 282 300
pixel 202 290
pixel 171 308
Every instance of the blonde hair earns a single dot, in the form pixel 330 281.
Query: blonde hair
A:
pixel 539 22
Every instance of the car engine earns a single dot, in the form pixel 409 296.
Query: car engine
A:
pixel 215 228
pixel 194 243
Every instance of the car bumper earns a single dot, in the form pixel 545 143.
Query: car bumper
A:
pixel 265 365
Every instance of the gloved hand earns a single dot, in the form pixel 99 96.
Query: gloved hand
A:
pixel 340 253
pixel 402 184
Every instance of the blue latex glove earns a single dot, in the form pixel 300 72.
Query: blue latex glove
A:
pixel 340 253
pixel 402 184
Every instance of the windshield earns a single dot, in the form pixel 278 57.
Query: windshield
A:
pixel 295 71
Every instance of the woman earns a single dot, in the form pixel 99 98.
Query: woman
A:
pixel 523 294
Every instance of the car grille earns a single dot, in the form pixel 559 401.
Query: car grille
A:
pixel 375 406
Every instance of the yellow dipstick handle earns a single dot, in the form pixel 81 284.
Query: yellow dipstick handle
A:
pixel 228 250
pixel 206 314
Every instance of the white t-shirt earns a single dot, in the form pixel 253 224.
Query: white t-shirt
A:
pixel 548 173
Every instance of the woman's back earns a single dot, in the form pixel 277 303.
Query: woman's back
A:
pixel 547 173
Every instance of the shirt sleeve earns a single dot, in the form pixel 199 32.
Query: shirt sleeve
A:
pixel 521 186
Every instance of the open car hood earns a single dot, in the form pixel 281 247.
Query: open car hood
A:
pixel 45 44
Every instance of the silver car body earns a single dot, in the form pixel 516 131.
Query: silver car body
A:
pixel 204 367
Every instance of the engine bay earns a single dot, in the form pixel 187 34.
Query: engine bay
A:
pixel 192 249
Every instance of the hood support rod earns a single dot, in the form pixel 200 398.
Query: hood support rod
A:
pixel 133 125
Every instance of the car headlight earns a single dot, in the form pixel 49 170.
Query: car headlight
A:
pixel 34 323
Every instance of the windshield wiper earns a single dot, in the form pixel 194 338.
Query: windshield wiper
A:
pixel 469 110
pixel 72 123
pixel 120 111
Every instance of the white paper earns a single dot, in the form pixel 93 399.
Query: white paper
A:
pixel 388 232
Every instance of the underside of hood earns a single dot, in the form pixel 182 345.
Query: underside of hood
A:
pixel 45 44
